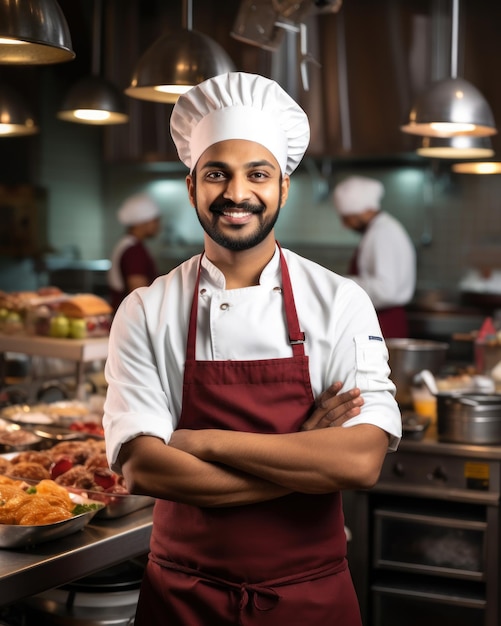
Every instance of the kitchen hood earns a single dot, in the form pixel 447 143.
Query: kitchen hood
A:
pixel 374 59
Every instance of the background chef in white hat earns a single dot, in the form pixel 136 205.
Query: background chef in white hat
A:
pixel 384 263
pixel 132 264
pixel 229 380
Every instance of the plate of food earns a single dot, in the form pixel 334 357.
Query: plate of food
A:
pixel 15 438
pixel 34 512
pixel 82 468
pixel 57 421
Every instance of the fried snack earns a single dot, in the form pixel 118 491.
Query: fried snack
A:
pixel 77 451
pixel 8 490
pixel 54 493
pixel 34 456
pixel 40 511
pixel 96 461
pixel 48 503
pixel 80 477
pixel 32 471
pixel 5 465
pixel 11 508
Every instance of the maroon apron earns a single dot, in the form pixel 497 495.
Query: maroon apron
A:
pixel 276 563
pixel 393 319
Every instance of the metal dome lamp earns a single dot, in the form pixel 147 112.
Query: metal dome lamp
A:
pixel 94 100
pixel 16 119
pixel 176 62
pixel 452 106
pixel 33 32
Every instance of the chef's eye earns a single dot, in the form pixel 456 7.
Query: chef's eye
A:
pixel 259 175
pixel 216 175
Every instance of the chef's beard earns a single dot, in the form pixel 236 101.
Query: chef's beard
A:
pixel 236 243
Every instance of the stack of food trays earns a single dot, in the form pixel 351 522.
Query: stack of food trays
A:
pixel 72 458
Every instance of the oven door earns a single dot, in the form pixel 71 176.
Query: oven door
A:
pixel 429 563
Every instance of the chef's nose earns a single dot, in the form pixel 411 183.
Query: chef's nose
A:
pixel 237 189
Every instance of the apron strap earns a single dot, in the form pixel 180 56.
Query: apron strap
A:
pixel 296 336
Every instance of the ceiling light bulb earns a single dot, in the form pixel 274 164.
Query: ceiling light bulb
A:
pixel 12 42
pixel 91 114
pixel 173 89
pixel 485 167
pixel 15 117
pixel 447 129
pixel 456 147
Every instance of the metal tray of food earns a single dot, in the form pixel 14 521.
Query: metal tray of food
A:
pixel 17 536
pixel 115 504
pixel 15 438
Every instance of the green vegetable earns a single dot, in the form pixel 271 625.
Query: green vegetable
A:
pixel 78 509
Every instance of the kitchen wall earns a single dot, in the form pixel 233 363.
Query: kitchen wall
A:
pixel 454 220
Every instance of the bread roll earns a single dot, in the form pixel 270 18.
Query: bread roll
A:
pixel 85 305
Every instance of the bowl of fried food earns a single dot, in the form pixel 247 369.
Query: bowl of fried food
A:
pixel 33 512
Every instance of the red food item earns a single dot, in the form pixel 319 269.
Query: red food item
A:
pixel 105 478
pixel 60 467
pixel 93 428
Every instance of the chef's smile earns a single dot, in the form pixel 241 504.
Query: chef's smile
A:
pixel 235 216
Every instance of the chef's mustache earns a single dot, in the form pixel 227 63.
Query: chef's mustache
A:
pixel 220 207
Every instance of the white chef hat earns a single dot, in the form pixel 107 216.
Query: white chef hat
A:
pixel 138 209
pixel 238 105
pixel 357 194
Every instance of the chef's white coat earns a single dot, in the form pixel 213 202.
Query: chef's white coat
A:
pixel 386 262
pixel 145 366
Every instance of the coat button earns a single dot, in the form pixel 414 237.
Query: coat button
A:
pixel 224 306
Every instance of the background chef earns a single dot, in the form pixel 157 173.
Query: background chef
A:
pixel 384 263
pixel 132 264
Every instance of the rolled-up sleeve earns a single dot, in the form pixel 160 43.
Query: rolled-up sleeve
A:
pixel 136 401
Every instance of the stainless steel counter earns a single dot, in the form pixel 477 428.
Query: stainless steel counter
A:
pixel 101 544
pixel 430 445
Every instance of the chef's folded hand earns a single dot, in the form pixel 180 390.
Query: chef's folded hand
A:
pixel 333 408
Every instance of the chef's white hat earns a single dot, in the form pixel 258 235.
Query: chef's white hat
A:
pixel 138 209
pixel 357 194
pixel 237 105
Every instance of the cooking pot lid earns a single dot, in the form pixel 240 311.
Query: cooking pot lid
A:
pixel 474 398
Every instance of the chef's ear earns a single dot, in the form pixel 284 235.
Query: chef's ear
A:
pixel 190 184
pixel 284 189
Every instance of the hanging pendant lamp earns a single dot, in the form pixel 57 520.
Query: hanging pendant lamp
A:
pixel 457 147
pixel 452 106
pixel 33 32
pixel 478 167
pixel 94 100
pixel 16 119
pixel 176 62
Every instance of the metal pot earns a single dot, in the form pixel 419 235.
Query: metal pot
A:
pixel 472 418
pixel 408 357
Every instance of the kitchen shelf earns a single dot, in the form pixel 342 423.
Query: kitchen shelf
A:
pixel 81 351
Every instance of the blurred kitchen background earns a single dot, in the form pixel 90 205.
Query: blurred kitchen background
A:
pixel 356 69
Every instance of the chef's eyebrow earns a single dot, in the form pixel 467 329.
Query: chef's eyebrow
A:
pixel 250 165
